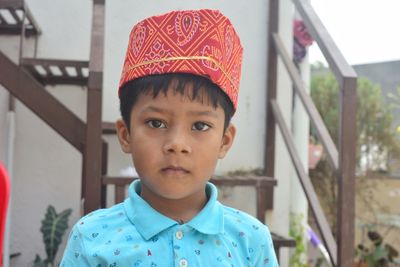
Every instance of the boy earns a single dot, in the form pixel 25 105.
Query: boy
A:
pixel 178 92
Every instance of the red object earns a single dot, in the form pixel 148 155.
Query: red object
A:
pixel 201 42
pixel 4 196
pixel 301 33
pixel 315 153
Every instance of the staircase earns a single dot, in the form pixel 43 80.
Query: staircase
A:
pixel 56 72
pixel 15 14
pixel 26 82
pixel 342 160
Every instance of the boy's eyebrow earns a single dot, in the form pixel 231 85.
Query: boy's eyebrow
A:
pixel 153 109
pixel 193 112
pixel 204 113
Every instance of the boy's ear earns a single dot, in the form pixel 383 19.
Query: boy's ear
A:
pixel 123 136
pixel 227 140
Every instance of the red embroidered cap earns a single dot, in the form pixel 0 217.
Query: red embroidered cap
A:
pixel 201 42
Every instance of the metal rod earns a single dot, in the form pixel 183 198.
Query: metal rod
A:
pixel 308 188
pixel 272 74
pixel 22 37
pixel 346 177
pixel 308 104
pixel 91 181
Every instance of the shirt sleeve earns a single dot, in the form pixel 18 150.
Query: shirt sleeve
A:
pixel 75 253
pixel 266 256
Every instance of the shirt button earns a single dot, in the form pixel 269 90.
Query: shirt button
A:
pixel 179 235
pixel 183 263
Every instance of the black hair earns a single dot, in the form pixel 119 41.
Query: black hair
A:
pixel 154 84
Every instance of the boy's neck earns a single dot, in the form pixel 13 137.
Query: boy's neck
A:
pixel 180 210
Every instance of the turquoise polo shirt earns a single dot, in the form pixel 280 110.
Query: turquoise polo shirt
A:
pixel 132 233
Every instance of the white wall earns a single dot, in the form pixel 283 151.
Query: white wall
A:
pixel 250 22
pixel 47 170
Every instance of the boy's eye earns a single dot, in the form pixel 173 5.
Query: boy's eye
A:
pixel 200 126
pixel 156 124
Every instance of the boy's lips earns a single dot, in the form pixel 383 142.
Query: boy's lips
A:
pixel 175 170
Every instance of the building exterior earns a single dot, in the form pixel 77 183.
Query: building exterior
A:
pixel 45 169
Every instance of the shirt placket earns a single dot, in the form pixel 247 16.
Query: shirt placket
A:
pixel 181 259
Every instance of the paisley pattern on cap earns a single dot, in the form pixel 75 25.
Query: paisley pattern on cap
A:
pixel 201 42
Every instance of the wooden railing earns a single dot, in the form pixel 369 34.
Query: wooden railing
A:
pixel 342 160
pixel 259 183
pixel 12 7
pixel 22 81
pixel 94 160
pixel 29 91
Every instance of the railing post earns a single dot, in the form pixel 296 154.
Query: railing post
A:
pixel 92 170
pixel 104 170
pixel 346 179
pixel 269 151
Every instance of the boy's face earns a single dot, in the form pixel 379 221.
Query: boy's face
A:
pixel 175 144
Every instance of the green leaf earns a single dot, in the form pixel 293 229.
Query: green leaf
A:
pixel 53 228
pixel 379 253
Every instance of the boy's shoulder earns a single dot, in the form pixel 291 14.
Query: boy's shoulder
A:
pixel 236 222
pixel 250 234
pixel 244 224
pixel 234 215
pixel 102 218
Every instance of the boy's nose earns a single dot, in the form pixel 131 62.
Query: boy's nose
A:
pixel 177 143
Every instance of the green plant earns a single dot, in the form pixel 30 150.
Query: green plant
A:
pixel 376 140
pixel 394 100
pixel 53 228
pixel 375 135
pixel 378 254
pixel 297 232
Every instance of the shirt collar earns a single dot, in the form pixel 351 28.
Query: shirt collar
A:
pixel 210 220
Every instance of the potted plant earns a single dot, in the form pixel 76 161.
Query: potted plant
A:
pixel 378 254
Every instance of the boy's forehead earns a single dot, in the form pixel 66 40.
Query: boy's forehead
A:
pixel 172 94
pixel 201 42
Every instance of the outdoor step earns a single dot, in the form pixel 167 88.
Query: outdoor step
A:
pixel 56 71
pixel 11 16
pixel 281 242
